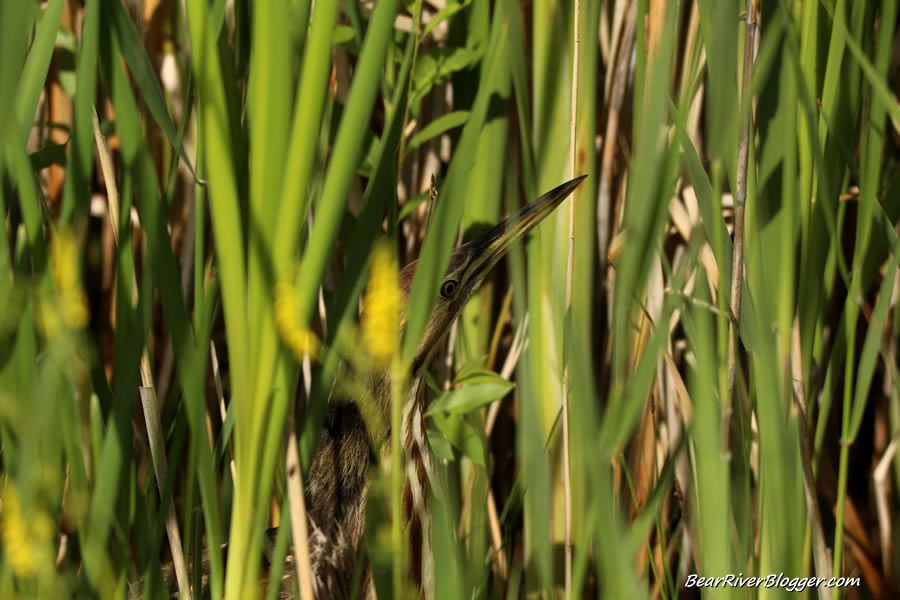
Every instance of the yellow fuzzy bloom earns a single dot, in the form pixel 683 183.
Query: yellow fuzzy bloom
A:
pixel 381 312
pixel 47 317
pixel 300 340
pixel 26 538
pixel 64 253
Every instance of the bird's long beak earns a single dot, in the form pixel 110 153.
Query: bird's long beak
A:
pixel 490 247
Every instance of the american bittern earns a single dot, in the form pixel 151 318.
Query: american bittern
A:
pixel 337 482
pixel 336 491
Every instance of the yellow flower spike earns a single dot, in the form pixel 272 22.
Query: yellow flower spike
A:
pixel 25 540
pixel 300 340
pixel 381 312
pixel 75 311
pixel 64 254
pixel 47 317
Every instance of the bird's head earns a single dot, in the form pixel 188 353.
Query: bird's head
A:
pixel 470 263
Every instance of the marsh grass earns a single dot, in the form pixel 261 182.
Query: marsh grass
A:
pixel 257 152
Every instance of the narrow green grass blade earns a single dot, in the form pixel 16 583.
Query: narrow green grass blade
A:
pixel 645 212
pixel 516 56
pixel 35 71
pixel 299 11
pixel 150 208
pixel 481 210
pixel 295 193
pixel 871 348
pixel 583 320
pixel 705 198
pixel 225 208
pixel 164 269
pixel 115 449
pixel 441 236
pixel 718 32
pixel 141 69
pixel 29 202
pixel 875 78
pixel 881 104
pixel 268 113
pixel 772 229
pixel 713 499
pixel 551 93
pixel 15 21
pixel 81 148
pixel 310 102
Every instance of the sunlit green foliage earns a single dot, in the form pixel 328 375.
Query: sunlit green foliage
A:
pixel 191 192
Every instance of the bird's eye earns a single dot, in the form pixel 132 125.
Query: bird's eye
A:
pixel 448 288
